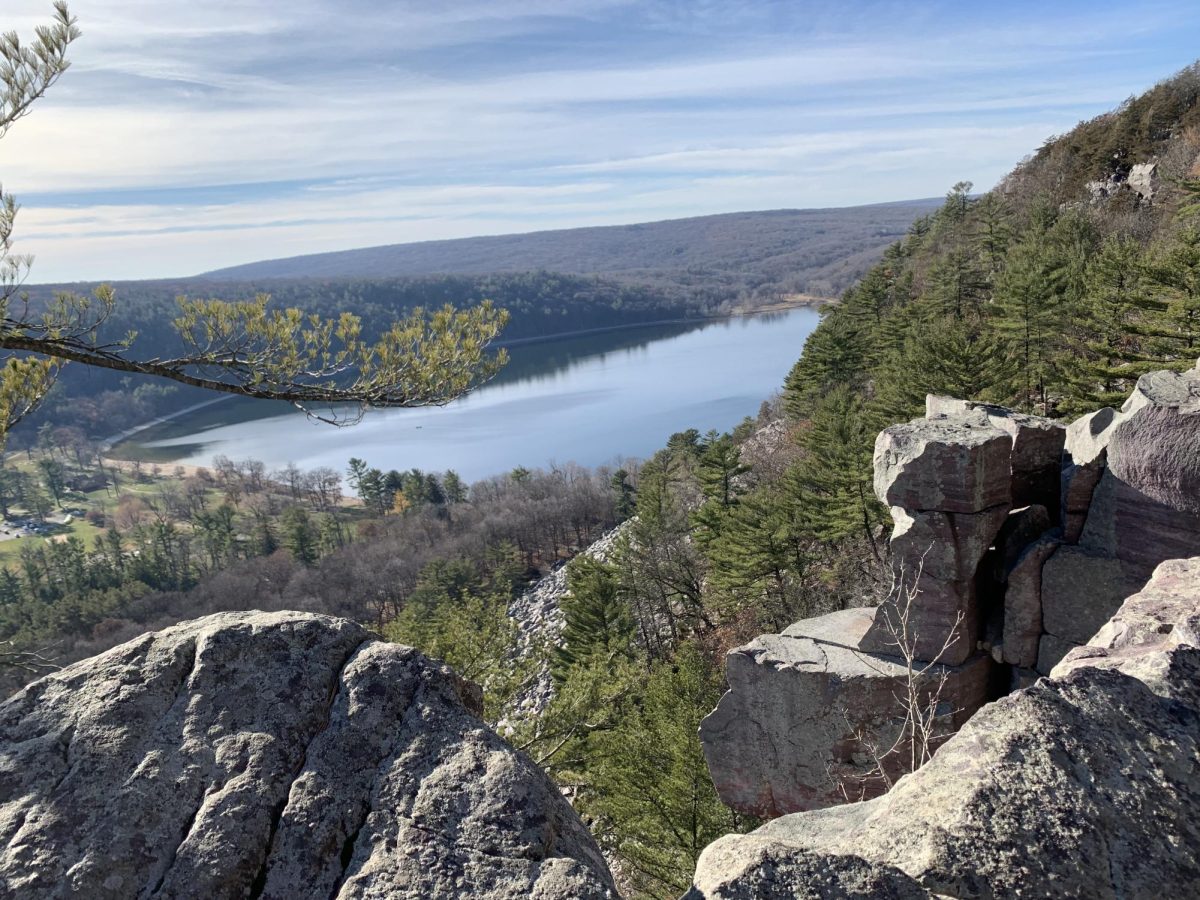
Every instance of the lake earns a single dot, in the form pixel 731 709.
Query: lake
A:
pixel 591 399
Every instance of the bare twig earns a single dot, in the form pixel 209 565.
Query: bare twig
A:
pixel 918 695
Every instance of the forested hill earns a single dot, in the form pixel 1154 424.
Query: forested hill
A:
pixel 815 251
pixel 1051 293
pixel 551 283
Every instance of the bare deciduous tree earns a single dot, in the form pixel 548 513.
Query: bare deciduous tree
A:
pixel 922 713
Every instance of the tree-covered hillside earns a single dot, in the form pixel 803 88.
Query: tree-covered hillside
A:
pixel 788 251
pixel 1039 294
pixel 550 283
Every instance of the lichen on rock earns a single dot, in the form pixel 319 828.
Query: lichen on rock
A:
pixel 274 755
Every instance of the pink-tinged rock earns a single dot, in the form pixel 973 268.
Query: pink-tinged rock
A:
pixel 1140 639
pixel 1163 612
pixel 1155 447
pixel 1023 604
pixel 1020 529
pixel 1128 525
pixel 948 465
pixel 1051 651
pixel 1088 436
pixel 938 631
pixel 1082 591
pixel 1084 457
pixel 785 736
pixel 1037 447
pixel 945 546
pixel 1036 457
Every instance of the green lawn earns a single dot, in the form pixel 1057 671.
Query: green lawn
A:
pixel 10 551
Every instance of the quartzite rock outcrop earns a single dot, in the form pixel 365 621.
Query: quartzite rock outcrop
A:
pixel 804 708
pixel 1131 488
pixel 276 755
pixel 1086 784
pixel 951 480
pixel 776 743
pixel 1021 538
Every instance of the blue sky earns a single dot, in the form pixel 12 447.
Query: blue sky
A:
pixel 194 134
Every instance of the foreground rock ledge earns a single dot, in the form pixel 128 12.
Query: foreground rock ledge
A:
pixel 1086 784
pixel 281 755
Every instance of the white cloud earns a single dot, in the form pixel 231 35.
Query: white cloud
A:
pixel 418 119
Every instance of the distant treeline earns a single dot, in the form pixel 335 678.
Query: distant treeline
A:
pixel 541 304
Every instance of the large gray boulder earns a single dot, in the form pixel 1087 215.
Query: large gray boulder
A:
pixel 1143 180
pixel 1086 784
pixel 279 755
pixel 803 707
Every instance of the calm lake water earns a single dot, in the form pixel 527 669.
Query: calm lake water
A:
pixel 590 399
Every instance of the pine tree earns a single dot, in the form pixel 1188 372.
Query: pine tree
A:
pixel 948 356
pixel 596 620
pixel 832 483
pixel 1174 280
pixel 992 232
pixel 1027 317
pixel 624 496
pixel 836 352
pixel 647 777
pixel 760 550
pixel 1115 328
pixel 300 536
pixel 452 484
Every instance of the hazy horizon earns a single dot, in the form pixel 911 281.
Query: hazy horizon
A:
pixel 190 138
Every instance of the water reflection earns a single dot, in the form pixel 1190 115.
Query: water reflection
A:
pixel 586 399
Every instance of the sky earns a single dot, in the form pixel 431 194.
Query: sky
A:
pixel 190 135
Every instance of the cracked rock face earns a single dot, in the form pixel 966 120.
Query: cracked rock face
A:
pixel 788 735
pixel 1084 785
pixel 274 755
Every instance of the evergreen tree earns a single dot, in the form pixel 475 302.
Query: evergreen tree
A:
pixel 300 536
pixel 54 477
pixel 950 357
pixel 452 484
pixel 1174 280
pixel 835 353
pixel 833 482
pixel 1028 317
pixel 596 620
pixel 647 777
pixel 753 563
pixel 1115 328
pixel 624 496
pixel 719 467
pixel 459 615
pixel 992 232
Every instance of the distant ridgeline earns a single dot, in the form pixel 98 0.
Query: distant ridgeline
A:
pixel 1051 293
pixel 551 283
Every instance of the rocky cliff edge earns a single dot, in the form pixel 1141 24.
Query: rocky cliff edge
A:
pixel 276 755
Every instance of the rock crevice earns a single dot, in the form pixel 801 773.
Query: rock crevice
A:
pixel 1083 785
pixel 1015 539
